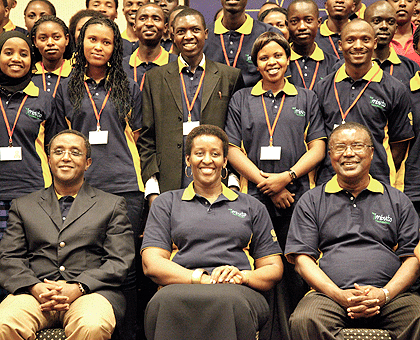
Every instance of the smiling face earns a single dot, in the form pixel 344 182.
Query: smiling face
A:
pixel 272 63
pixel 303 23
pixel 130 8
pixel 51 41
pixel 383 20
pixel 150 24
pixel 404 9
pixel 206 160
pixel 349 164
pixel 190 37
pixel 15 58
pixel 67 169
pixel 278 19
pixel 357 43
pixel 106 7
pixel 34 11
pixel 98 45
pixel 339 9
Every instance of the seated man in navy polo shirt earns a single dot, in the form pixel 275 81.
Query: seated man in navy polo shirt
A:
pixel 231 38
pixel 383 18
pixel 360 91
pixel 353 239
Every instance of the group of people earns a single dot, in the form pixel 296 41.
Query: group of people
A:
pixel 216 137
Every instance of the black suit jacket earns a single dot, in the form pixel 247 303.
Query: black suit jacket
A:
pixel 161 138
pixel 94 245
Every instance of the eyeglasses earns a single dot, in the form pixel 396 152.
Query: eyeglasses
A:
pixel 72 153
pixel 339 149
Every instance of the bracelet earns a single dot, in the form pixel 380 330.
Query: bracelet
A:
pixel 196 275
pixel 292 173
pixel 246 277
pixel 386 292
pixel 82 290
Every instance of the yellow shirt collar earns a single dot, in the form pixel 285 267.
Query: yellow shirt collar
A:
pixel 316 55
pixel 324 30
pixel 343 75
pixel 415 82
pixel 333 187
pixel 246 27
pixel 393 56
pixel 182 63
pixel 125 36
pixel 31 90
pixel 189 193
pixel 161 59
pixel 64 73
pixel 9 26
pixel 361 12
pixel 288 88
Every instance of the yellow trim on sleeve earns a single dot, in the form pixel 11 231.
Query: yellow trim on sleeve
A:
pixel 248 256
pixel 246 27
pixel 134 153
pixel 40 150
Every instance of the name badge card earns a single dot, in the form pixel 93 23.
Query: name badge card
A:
pixel 188 126
pixel 98 137
pixel 270 153
pixel 11 153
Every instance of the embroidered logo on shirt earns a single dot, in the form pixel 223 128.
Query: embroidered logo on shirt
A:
pixel 239 214
pixel 298 112
pixel 377 103
pixel 32 113
pixel 381 218
pixel 273 235
pixel 248 59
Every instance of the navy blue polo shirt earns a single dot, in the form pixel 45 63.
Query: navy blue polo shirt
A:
pixel 36 125
pixel 128 46
pixel 235 229
pixel 251 30
pixel 384 108
pixel 328 40
pixel 300 123
pixel 410 175
pixel 51 78
pixel 133 61
pixel 399 66
pixel 115 166
pixel 360 239
pixel 166 44
pixel 308 66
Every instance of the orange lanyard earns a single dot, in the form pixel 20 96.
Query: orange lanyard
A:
pixel 272 128
pixel 333 46
pixel 10 131
pixel 97 115
pixel 58 80
pixel 135 70
pixel 237 53
pixel 184 89
pixel 344 115
pixel 313 78
pixel 391 70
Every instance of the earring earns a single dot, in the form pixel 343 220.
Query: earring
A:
pixel 225 176
pixel 186 171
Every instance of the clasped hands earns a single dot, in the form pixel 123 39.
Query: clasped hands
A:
pixel 274 185
pixel 55 295
pixel 226 274
pixel 363 301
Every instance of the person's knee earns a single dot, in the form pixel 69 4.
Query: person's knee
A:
pixel 91 327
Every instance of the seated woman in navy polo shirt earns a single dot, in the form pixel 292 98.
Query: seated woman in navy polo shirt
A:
pixel 212 249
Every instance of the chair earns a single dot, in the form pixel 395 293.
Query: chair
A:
pixel 365 334
pixel 51 334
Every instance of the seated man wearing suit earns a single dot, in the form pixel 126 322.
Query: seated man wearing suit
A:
pixel 66 252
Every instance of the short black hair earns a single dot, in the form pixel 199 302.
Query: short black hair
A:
pixel 264 39
pixel 350 126
pixel 190 11
pixel 48 3
pixel 207 130
pixel 5 4
pixel 274 9
pixel 73 132
pixel 312 2
pixel 115 2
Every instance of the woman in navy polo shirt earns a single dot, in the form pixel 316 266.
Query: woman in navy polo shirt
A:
pixel 28 122
pixel 212 249
pixel 51 37
pixel 101 102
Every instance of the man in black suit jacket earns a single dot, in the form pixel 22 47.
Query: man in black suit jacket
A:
pixel 66 251
pixel 168 116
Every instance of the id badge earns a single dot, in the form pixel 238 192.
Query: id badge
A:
pixel 98 137
pixel 188 126
pixel 270 153
pixel 11 153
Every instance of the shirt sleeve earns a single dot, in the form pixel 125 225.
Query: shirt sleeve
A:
pixel 233 126
pixel 136 114
pixel 316 125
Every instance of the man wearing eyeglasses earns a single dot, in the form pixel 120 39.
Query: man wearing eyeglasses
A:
pixel 66 252
pixel 353 239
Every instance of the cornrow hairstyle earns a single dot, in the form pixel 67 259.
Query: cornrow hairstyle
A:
pixel 115 79
pixel 51 18
pixel 84 13
pixel 115 1
pixel 48 3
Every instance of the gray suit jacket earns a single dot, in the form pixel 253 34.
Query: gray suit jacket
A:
pixel 161 138
pixel 94 245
